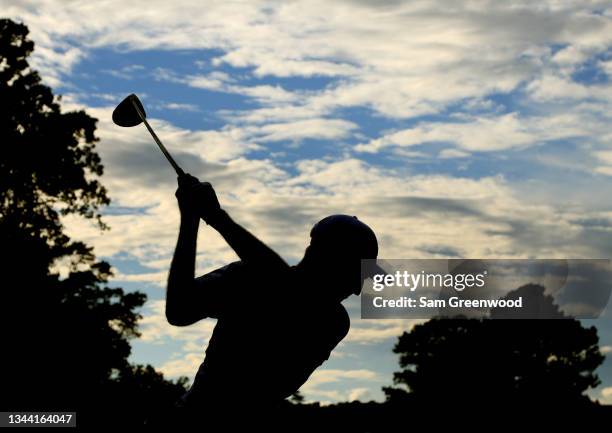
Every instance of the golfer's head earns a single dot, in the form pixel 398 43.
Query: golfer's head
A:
pixel 337 245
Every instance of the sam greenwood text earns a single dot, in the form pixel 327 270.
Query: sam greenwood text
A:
pixel 452 302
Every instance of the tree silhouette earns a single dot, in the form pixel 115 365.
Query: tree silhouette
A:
pixel 66 335
pixel 488 362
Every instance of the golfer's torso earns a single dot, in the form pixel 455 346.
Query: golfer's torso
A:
pixel 272 347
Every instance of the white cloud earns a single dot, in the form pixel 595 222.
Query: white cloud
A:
pixel 155 328
pixel 483 134
pixel 401 59
pixel 414 58
pixel 321 129
pixel 570 55
pixel 606 66
pixel 373 331
pixel 158 278
pixel 179 106
pixel 361 394
pixel 605 156
pixel 549 88
pixel 606 395
pixel 355 383
pixel 485 214
pixel 605 170
pixel 452 153
pixel 127 72
pixel 185 365
pixel 322 376
pixel 222 82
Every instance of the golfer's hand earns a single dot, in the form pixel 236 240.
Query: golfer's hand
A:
pixel 197 199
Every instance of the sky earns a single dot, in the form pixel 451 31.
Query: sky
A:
pixel 475 129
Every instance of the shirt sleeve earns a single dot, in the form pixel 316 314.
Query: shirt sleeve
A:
pixel 214 290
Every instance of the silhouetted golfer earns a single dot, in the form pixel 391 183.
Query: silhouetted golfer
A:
pixel 276 323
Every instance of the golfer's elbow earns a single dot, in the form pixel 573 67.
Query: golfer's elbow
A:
pixel 177 313
pixel 178 321
pixel 176 317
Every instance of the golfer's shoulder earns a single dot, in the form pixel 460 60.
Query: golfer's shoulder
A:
pixel 238 270
pixel 230 271
pixel 256 268
pixel 254 273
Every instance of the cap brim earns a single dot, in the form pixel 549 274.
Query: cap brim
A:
pixel 371 268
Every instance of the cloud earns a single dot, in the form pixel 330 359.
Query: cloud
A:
pixel 605 395
pixel 320 129
pixel 359 394
pixel 605 156
pixel 452 153
pixel 446 59
pixel 292 128
pixel 482 134
pixel 155 328
pixel 215 80
pixel 550 87
pixel 126 72
pixel 480 217
pixel 222 82
pixel 400 59
pixel 158 278
pixel 186 365
pixel 318 385
pixel 373 331
pixel 330 375
pixel 606 66
pixel 178 106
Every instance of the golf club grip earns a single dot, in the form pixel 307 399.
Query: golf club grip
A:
pixel 179 170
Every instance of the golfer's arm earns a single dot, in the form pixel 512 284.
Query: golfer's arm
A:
pixel 247 247
pixel 180 288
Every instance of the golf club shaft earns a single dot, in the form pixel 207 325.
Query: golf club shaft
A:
pixel 171 160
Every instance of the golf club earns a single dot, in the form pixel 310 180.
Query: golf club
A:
pixel 130 112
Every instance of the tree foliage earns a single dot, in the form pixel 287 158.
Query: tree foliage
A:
pixel 66 333
pixel 484 361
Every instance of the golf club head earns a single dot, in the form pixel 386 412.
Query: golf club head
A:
pixel 126 115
